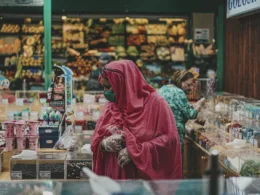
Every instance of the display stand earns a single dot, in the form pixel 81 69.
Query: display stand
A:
pixel 60 97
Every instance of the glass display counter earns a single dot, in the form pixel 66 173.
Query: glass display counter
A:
pixel 234 186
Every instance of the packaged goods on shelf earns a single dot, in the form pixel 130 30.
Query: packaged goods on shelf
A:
pixel 52 165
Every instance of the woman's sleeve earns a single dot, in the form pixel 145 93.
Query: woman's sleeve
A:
pixel 159 158
pixel 185 107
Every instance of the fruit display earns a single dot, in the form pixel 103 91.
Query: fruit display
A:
pixel 59 47
pixel 137 21
pixel 132 51
pixel 177 30
pixel 177 53
pixel 120 51
pixel 157 40
pixel 202 50
pixel 156 29
pixel 9 45
pixel 10 28
pixel 132 29
pixel 81 66
pixel 10 61
pixel 73 33
pixel 147 52
pixel 32 28
pixel 116 40
pixel 32 75
pixel 136 40
pixel 31 61
pixel 117 28
pixel 163 53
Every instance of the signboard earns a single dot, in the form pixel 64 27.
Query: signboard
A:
pixel 18 3
pixel 239 7
pixel 201 35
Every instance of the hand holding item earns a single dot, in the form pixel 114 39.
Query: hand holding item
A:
pixel 123 158
pixel 199 104
pixel 113 143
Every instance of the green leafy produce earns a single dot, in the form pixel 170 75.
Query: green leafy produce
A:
pixel 250 169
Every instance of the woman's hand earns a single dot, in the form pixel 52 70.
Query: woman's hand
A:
pixel 113 143
pixel 123 158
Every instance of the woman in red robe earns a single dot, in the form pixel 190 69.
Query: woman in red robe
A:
pixel 146 146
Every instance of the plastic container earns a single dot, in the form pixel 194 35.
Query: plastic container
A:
pixel 21 143
pixel 23 169
pixel 52 165
pixel 33 127
pixel 75 163
pixel 80 122
pixel 33 140
pixel 9 128
pixel 9 144
pixel 20 127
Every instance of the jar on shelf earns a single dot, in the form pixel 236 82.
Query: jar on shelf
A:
pixel 80 122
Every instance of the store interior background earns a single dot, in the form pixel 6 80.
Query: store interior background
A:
pixel 199 14
pixel 236 43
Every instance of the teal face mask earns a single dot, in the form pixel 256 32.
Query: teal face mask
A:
pixel 110 96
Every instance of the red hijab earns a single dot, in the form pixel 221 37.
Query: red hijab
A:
pixel 148 126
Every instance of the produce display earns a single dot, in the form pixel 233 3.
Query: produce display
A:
pixel 9 45
pixel 250 169
pixel 156 28
pixel 157 40
pixel 135 29
pixel 147 52
pixel 202 50
pixel 31 61
pixel 32 28
pixel 10 28
pixel 81 66
pixel 163 53
pixel 73 33
pixel 230 125
pixel 11 61
pixel 177 54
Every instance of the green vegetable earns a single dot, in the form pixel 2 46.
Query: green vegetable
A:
pixel 250 169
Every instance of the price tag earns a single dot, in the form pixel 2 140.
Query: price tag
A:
pixel 45 175
pixel 19 102
pixel 5 101
pixel 16 175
